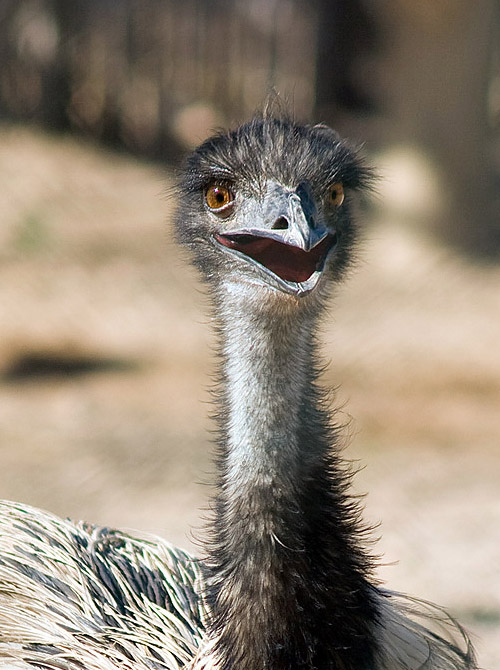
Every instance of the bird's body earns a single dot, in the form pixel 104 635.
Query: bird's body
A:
pixel 287 582
pixel 74 595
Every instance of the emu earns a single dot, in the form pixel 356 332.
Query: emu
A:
pixel 286 582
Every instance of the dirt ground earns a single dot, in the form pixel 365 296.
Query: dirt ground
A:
pixel 105 363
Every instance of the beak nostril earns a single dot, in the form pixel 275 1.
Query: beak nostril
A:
pixel 280 224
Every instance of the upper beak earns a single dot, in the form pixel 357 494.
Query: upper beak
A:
pixel 301 229
pixel 289 217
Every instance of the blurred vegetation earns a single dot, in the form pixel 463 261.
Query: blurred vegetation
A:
pixel 155 76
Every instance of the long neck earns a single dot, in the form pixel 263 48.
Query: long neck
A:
pixel 286 583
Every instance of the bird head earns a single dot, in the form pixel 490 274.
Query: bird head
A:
pixel 268 204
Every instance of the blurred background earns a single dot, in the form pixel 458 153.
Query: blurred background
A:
pixel 105 349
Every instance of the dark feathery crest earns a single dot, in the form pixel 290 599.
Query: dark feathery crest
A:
pixel 277 148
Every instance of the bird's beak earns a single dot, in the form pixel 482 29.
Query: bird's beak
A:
pixel 295 222
pixel 289 245
pixel 289 217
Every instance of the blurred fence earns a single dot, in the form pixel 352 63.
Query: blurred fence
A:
pixel 144 74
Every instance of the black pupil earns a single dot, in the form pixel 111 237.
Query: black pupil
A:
pixel 219 196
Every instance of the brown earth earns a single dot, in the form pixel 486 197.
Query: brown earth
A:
pixel 105 363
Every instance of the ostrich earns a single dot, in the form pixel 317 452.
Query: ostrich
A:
pixel 286 582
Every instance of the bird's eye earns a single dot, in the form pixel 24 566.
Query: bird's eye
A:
pixel 218 197
pixel 336 194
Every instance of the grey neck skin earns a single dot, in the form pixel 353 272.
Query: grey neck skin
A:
pixel 283 549
pixel 266 380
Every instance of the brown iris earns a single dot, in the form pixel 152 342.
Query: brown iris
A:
pixel 336 194
pixel 218 197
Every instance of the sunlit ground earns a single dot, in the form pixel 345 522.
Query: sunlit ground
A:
pixel 105 363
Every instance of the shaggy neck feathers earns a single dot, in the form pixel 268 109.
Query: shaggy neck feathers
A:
pixel 286 583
